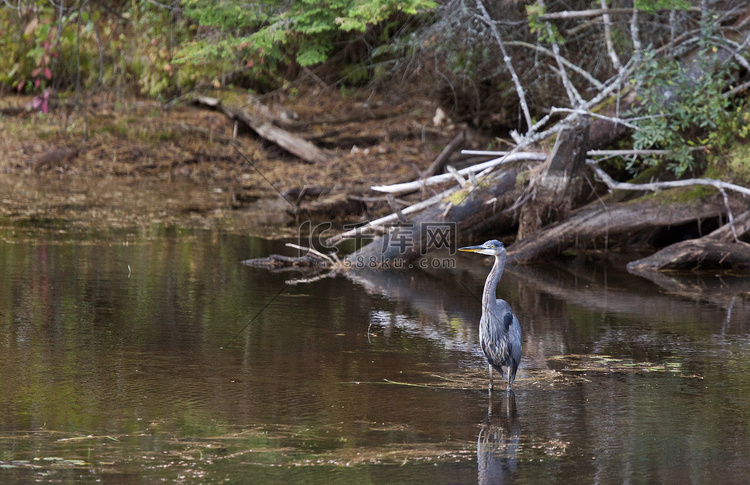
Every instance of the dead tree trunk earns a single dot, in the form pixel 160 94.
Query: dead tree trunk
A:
pixel 465 214
pixel 558 188
pixel 597 221
pixel 718 249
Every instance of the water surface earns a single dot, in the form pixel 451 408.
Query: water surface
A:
pixel 140 357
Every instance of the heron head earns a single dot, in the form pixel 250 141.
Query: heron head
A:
pixel 490 248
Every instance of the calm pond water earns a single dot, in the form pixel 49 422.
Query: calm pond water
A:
pixel 157 356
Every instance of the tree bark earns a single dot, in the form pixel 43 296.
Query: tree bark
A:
pixel 444 225
pixel 715 250
pixel 596 221
pixel 559 187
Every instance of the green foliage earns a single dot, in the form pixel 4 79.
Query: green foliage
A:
pixel 128 44
pixel 679 110
pixel 228 16
pixel 257 37
pixel 652 6
pixel 545 31
pixel 149 54
pixel 142 46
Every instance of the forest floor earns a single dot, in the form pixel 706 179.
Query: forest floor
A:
pixel 144 162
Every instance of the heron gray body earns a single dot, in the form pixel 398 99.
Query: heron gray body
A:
pixel 499 328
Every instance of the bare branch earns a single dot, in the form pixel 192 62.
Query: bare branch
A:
pixel 573 94
pixel 617 121
pixel 595 12
pixel 568 64
pixel 438 179
pixel 573 14
pixel 312 250
pixel 590 153
pixel 608 38
pixel 655 186
pixel 737 89
pixel 507 60
pixel 729 213
pixel 635 36
pixel 360 231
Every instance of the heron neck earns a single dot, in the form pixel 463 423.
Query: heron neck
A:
pixel 489 297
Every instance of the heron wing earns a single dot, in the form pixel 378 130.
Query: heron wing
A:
pixel 514 344
pixel 498 337
pixel 508 320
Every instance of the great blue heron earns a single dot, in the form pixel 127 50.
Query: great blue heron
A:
pixel 499 329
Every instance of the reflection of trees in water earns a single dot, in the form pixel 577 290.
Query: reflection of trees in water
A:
pixel 498 442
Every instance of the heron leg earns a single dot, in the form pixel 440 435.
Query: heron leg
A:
pixel 490 386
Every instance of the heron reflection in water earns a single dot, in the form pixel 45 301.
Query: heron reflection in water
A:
pixel 499 329
pixel 498 444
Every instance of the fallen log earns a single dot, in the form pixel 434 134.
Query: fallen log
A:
pixel 718 249
pixel 266 129
pixel 596 220
pixel 456 216
pixel 696 254
pixel 361 231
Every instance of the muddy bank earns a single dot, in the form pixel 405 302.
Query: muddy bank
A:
pixel 109 161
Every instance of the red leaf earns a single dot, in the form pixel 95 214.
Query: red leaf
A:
pixel 47 73
pixel 20 86
pixel 38 82
pixel 36 72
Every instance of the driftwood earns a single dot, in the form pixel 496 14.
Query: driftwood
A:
pixel 718 249
pixel 465 212
pixel 266 129
pixel 596 221
pixel 379 223
pixel 439 163
pixel 701 253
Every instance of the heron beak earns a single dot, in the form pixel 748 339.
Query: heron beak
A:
pixel 472 249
